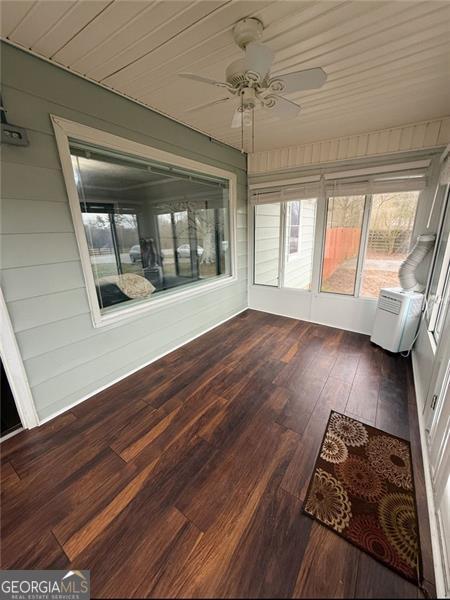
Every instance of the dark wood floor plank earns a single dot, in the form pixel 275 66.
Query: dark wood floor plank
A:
pixel 333 397
pixel 8 475
pixel 258 396
pixel 26 445
pixel 235 472
pixel 167 568
pixel 324 571
pixel 392 414
pixel 74 544
pixel 73 501
pixel 345 366
pixel 267 559
pixel 187 478
pixel 363 400
pixel 76 443
pixel 190 417
pixel 206 569
pixel 43 553
pixel 301 403
pixel 291 376
pixel 139 547
pixel 376 581
pixel 148 524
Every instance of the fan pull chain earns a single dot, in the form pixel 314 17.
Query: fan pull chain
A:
pixel 253 130
pixel 242 124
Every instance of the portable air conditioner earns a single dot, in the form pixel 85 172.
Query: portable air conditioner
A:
pixel 396 319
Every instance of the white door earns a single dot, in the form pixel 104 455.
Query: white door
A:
pixel 438 429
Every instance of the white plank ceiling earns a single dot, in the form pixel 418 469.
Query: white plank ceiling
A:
pixel 388 62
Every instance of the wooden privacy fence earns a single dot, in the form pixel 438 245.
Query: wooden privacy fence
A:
pixel 341 243
pixel 389 242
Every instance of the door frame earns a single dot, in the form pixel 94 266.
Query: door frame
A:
pixel 15 370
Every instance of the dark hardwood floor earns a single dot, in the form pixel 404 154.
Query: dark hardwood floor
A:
pixel 187 478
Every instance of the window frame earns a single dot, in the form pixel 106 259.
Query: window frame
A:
pixel 363 243
pixel 65 129
pixel 283 254
pixel 441 290
pixel 362 246
pixel 320 228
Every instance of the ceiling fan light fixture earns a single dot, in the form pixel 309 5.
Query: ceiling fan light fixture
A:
pixel 249 83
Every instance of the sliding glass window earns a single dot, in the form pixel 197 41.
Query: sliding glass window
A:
pixel 342 244
pixel 389 236
pixel 150 227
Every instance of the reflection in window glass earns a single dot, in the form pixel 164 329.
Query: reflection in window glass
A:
pixel 150 227
pixel 293 226
pixel 300 223
pixel 267 243
pixel 390 230
pixel 342 241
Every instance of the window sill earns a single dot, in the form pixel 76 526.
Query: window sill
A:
pixel 347 296
pixel 316 294
pixel 155 304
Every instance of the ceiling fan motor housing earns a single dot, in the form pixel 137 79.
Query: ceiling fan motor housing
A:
pixel 247 30
pixel 235 73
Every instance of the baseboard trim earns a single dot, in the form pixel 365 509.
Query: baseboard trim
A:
pixel 279 314
pixel 434 527
pixel 128 373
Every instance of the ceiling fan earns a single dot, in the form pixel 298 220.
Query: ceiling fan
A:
pixel 250 85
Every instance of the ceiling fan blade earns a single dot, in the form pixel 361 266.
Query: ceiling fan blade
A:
pixel 258 58
pixel 206 105
pixel 282 108
pixel 298 81
pixel 236 121
pixel 203 79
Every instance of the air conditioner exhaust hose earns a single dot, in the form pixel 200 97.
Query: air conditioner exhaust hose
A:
pixel 407 271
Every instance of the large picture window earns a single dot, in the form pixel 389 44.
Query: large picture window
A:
pixel 148 229
pixel 163 227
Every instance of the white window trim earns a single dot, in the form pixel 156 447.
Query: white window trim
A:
pixel 441 297
pixel 15 371
pixel 63 130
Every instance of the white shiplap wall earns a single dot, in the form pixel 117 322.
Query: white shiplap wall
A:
pixel 297 270
pixel 64 356
pixel 416 136
pixel 267 244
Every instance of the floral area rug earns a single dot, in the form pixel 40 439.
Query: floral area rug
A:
pixel 362 488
